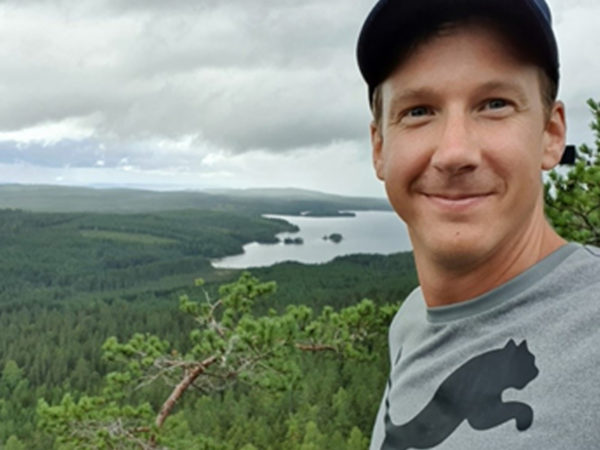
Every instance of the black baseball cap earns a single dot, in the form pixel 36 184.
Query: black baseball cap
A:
pixel 393 26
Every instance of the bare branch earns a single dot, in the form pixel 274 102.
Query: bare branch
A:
pixel 188 379
pixel 316 347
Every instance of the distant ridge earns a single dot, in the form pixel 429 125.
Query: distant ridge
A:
pixel 285 192
pixel 51 198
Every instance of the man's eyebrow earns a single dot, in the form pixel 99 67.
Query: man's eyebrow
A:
pixel 409 96
pixel 504 86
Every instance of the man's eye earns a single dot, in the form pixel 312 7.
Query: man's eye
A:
pixel 497 103
pixel 419 111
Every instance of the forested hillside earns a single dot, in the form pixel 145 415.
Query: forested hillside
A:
pixel 53 256
pixel 253 201
pixel 72 280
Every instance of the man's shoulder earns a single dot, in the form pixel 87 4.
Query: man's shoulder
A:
pixel 581 266
pixel 575 281
pixel 411 314
pixel 412 308
pixel 586 252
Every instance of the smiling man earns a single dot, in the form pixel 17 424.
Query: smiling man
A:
pixel 498 347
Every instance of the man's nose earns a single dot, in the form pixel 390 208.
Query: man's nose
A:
pixel 457 149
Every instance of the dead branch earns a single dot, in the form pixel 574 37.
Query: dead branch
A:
pixel 316 348
pixel 187 380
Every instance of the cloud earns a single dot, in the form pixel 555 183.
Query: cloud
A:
pixel 52 132
pixel 575 23
pixel 262 75
pixel 211 90
pixel 341 167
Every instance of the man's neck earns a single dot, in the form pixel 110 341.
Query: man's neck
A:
pixel 443 285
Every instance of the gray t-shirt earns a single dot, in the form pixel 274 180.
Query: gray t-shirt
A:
pixel 515 368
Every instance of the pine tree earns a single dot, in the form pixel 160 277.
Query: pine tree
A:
pixel 230 345
pixel 573 200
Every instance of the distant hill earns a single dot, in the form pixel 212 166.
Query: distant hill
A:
pixel 290 193
pixel 46 198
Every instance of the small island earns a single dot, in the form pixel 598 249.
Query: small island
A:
pixel 328 213
pixel 334 237
pixel 293 241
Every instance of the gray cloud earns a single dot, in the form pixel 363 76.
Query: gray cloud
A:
pixel 269 75
pixel 275 75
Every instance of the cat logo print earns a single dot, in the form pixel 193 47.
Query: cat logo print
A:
pixel 473 392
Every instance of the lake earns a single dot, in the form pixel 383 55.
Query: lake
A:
pixel 368 232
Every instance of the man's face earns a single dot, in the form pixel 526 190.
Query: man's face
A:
pixel 461 144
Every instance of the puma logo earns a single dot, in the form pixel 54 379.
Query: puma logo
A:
pixel 472 393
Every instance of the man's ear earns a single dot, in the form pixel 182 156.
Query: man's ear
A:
pixel 376 150
pixel 554 137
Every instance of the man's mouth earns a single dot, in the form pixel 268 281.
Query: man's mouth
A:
pixel 457 201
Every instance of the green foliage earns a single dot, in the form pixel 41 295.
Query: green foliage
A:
pixel 229 344
pixel 16 401
pixel 47 257
pixel 13 443
pixel 573 200
pixel 73 280
pixel 345 281
pixel 95 422
pixel 57 349
pixel 357 441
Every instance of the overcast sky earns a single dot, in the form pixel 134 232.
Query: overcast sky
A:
pixel 211 93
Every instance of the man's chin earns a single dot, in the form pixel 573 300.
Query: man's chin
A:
pixel 456 252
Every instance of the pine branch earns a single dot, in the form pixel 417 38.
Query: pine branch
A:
pixel 188 379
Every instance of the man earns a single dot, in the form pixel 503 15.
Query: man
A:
pixel 498 347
